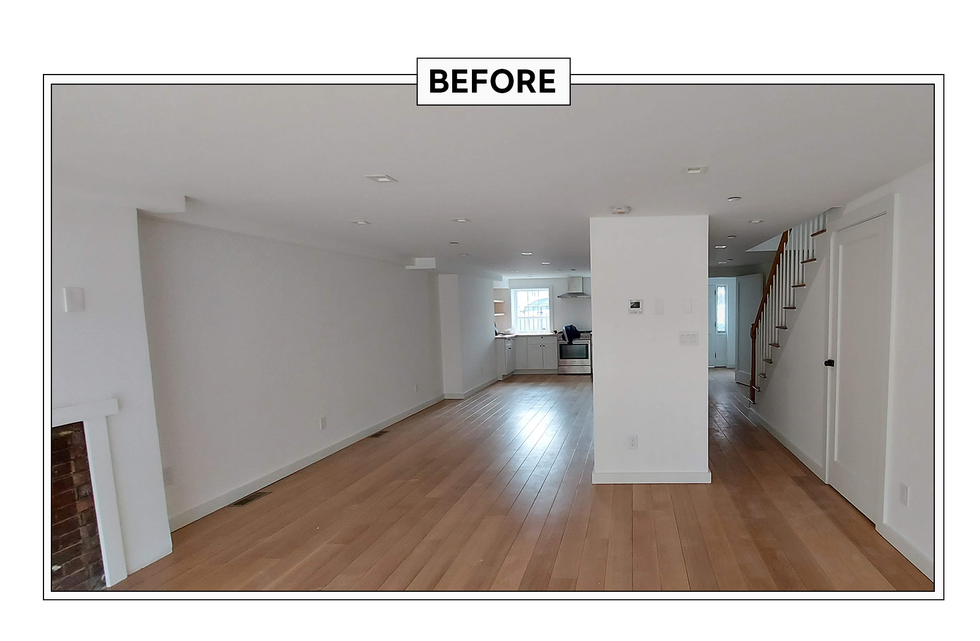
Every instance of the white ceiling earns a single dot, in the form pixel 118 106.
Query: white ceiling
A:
pixel 528 178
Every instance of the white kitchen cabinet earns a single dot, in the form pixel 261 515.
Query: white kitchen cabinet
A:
pixel 549 353
pixel 520 349
pixel 506 357
pixel 535 353
pixel 539 353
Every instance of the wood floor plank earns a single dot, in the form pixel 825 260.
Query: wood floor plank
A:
pixel 495 492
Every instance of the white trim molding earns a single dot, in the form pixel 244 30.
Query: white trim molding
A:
pixel 471 392
pixel 178 521
pixel 814 466
pixel 918 558
pixel 93 417
pixel 603 478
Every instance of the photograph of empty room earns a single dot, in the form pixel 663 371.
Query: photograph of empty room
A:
pixel 321 337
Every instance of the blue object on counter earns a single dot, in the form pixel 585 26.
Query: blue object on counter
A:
pixel 571 333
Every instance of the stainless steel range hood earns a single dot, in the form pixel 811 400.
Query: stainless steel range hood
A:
pixel 575 289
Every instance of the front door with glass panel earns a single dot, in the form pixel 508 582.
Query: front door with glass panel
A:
pixel 718 325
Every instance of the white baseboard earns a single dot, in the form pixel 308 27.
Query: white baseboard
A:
pixel 918 558
pixel 535 371
pixel 602 478
pixel 815 467
pixel 471 392
pixel 178 521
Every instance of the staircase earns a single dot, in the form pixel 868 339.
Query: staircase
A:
pixel 782 294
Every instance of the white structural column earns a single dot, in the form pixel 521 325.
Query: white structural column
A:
pixel 650 369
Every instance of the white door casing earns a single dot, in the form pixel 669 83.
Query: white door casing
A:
pixel 717 340
pixel 860 323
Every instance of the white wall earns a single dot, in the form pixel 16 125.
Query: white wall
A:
pixel 466 318
pixel 794 404
pixel 911 400
pixel 101 353
pixel 644 381
pixel 252 341
pixel 565 311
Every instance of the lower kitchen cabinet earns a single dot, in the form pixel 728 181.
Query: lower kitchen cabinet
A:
pixel 537 352
pixel 520 348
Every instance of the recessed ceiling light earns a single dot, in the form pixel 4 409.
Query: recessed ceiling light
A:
pixel 360 222
pixel 545 263
pixel 756 222
pixel 461 220
pixel 622 209
pixel 454 242
pixel 696 169
pixel 381 178
pixel 733 199
pixel 720 246
pixel 722 262
pixel 527 253
pixel 732 236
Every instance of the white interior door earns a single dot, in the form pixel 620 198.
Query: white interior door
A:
pixel 859 336
pixel 718 296
pixel 748 291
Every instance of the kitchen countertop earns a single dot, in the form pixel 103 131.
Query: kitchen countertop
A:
pixel 517 335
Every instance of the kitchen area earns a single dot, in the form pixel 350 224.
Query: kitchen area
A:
pixel 543 326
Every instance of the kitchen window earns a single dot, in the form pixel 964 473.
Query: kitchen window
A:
pixel 532 310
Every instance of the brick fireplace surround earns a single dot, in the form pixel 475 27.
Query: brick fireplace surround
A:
pixel 76 553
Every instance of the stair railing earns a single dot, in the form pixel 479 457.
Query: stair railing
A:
pixel 794 252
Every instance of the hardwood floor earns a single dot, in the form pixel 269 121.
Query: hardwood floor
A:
pixel 495 493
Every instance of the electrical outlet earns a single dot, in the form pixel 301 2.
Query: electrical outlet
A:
pixel 323 422
pixel 903 494
pixel 634 442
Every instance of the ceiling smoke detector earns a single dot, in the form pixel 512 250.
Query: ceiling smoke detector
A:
pixel 360 222
pixel 733 199
pixel 461 220
pixel 381 178
pixel 720 246
pixel 527 253
pixel 624 209
pixel 545 262
pixel 454 242
pixel 696 169
pixel 756 221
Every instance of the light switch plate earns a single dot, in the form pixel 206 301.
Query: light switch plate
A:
pixel 74 299
pixel 689 339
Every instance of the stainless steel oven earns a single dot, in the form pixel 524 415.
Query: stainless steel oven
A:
pixel 575 357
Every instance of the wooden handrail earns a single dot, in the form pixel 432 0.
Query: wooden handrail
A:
pixel 762 304
pixel 772 276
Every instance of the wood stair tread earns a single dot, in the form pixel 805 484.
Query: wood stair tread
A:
pixel 808 260
pixel 767 360
pixel 817 233
pixel 781 327
pixel 799 285
pixel 773 344
pixel 789 307
pixel 763 375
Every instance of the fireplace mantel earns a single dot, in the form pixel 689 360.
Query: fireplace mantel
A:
pixel 93 417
